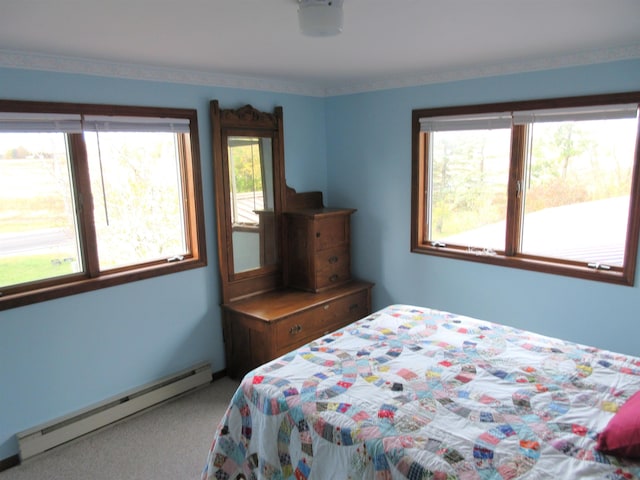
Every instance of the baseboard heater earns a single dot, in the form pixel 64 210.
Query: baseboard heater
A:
pixel 61 430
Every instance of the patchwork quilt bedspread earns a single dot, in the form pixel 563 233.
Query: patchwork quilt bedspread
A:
pixel 416 393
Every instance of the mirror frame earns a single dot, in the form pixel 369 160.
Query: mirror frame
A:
pixel 245 121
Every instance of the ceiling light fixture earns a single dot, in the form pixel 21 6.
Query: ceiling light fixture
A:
pixel 320 18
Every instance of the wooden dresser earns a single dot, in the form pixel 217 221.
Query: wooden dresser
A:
pixel 263 327
pixel 285 261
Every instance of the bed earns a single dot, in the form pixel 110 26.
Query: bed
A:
pixel 417 393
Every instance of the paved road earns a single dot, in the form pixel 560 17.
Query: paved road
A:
pixel 34 240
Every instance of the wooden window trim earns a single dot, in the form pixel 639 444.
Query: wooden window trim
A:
pixel 510 257
pixel 92 279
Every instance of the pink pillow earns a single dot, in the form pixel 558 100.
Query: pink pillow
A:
pixel 621 437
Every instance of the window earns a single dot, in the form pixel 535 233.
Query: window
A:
pixel 549 185
pixel 93 196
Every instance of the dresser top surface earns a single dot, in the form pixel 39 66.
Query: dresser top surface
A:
pixel 278 304
pixel 320 212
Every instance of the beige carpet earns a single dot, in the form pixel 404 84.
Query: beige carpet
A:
pixel 169 442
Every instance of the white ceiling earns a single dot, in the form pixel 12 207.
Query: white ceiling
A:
pixel 385 43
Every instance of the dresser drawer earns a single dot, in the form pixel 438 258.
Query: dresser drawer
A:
pixel 331 232
pixel 315 322
pixel 332 267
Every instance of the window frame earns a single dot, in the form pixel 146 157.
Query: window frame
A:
pixel 624 275
pixel 91 278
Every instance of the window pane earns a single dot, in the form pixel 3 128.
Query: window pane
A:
pixel 38 233
pixel 469 173
pixel 137 194
pixel 577 190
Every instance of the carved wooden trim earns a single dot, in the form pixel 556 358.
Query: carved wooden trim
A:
pixel 241 116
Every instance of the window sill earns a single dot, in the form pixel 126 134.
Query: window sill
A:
pixel 80 284
pixel 536 264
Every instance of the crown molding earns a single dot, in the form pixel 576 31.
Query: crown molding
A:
pixel 64 64
pixel 84 66
pixel 481 71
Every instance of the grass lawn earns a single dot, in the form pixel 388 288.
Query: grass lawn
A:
pixel 27 268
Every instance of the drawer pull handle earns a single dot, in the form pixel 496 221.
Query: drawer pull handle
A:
pixel 317 234
pixel 353 306
pixel 333 278
pixel 295 329
pixel 333 259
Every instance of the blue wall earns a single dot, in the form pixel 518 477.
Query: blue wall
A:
pixel 369 168
pixel 62 355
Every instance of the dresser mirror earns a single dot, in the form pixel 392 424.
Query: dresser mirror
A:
pixel 250 189
pixel 252 202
